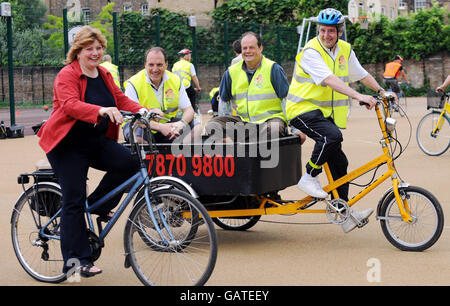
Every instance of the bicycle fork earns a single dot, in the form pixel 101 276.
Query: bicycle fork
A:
pixel 151 211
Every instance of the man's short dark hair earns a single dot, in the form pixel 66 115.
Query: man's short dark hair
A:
pixel 258 38
pixel 237 46
pixel 155 49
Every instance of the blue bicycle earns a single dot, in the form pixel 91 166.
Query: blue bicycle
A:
pixel 169 237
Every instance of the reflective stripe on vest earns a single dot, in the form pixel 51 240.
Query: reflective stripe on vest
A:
pixel 147 96
pixel 392 70
pixel 256 102
pixel 304 95
pixel 182 68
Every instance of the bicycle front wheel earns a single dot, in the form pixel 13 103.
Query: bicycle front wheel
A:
pixel 403 105
pixel 437 143
pixel 177 246
pixel 40 257
pixel 427 224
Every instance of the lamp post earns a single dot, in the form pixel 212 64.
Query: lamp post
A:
pixel 5 12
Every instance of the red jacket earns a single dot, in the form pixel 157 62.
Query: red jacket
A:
pixel 69 106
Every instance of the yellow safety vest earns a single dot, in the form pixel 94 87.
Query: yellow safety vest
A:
pixel 147 96
pixel 182 68
pixel 304 95
pixel 256 102
pixel 113 69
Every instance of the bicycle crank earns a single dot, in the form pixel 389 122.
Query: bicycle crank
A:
pixel 337 211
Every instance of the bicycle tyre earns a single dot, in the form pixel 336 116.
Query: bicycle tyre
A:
pixel 403 105
pixel 425 229
pixel 43 265
pixel 437 144
pixel 189 259
pixel 236 223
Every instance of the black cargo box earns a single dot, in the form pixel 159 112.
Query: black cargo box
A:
pixel 230 168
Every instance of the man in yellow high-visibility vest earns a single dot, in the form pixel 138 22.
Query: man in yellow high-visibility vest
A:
pixel 186 71
pixel 163 92
pixel 317 103
pixel 256 85
pixel 113 69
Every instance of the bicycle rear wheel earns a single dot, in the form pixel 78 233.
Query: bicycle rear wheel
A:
pixel 427 225
pixel 40 257
pixel 433 144
pixel 183 252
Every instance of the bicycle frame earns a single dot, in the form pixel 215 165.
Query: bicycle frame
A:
pixel 135 181
pixel 138 180
pixel 301 206
pixel 443 113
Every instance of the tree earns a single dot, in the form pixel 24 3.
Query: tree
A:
pixel 27 14
pixel 310 8
pixel 259 11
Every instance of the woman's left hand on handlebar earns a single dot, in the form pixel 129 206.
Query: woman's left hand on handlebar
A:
pixel 113 113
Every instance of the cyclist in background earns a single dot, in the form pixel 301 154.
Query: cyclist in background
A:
pixel 392 71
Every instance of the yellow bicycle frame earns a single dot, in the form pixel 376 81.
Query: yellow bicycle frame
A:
pixel 441 118
pixel 269 207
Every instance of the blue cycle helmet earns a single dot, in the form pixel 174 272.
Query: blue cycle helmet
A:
pixel 330 16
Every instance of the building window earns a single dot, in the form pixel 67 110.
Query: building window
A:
pixel 144 9
pixel 420 5
pixel 383 10
pixel 86 15
pixel 401 4
pixel 127 7
pixel 392 13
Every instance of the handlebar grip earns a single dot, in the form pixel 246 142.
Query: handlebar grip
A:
pixel 363 103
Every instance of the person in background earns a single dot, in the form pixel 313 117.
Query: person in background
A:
pixel 441 88
pixel 237 51
pixel 113 69
pixel 392 71
pixel 82 132
pixel 186 71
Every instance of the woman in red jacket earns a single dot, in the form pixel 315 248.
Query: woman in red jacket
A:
pixel 78 136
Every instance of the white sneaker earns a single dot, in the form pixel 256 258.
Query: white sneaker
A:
pixel 311 186
pixel 361 217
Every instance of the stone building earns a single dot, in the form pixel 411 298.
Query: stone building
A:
pixel 88 9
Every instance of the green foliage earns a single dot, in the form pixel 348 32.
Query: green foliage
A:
pixel 103 22
pixel 27 14
pixel 312 8
pixel 258 11
pixel 138 33
pixel 414 37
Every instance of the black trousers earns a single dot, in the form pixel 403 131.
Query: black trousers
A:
pixel 192 95
pixel 328 146
pixel 71 159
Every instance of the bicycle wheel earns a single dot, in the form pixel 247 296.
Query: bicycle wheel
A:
pixel 40 257
pixel 403 105
pixel 236 223
pixel 427 225
pixel 183 252
pixel 433 144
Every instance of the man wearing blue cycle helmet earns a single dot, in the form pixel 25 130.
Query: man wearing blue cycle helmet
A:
pixel 317 103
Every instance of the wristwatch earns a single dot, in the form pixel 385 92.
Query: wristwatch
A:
pixel 380 90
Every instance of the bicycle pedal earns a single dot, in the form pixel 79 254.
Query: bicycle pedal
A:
pixel 362 222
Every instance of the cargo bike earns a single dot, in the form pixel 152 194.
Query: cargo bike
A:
pixel 239 182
